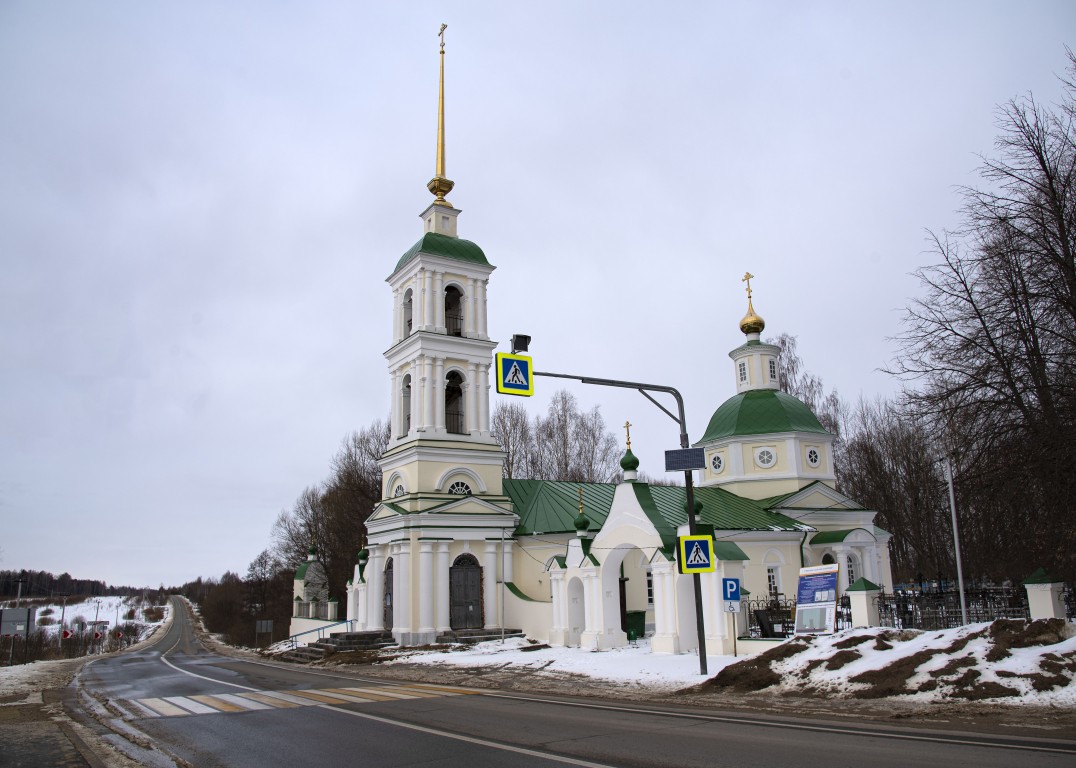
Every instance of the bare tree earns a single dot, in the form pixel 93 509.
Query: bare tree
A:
pixel 511 427
pixel 564 444
pixel 989 349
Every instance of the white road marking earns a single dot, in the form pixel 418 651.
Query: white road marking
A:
pixel 191 705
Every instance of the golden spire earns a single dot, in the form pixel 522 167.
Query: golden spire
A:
pixel 439 185
pixel 580 501
pixel 752 322
pixel 627 429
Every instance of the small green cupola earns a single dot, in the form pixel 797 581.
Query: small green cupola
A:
pixel 581 523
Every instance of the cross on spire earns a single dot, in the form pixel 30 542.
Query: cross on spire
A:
pixel 627 429
pixel 747 277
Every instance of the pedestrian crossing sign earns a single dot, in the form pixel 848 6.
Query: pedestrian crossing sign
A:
pixel 515 374
pixel 696 554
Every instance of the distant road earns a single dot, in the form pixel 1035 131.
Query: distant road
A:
pixel 212 710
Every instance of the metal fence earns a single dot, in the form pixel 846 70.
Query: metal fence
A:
pixel 941 610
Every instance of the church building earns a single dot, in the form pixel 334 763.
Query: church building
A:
pixel 455 549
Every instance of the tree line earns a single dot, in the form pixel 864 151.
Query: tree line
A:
pixel 46 584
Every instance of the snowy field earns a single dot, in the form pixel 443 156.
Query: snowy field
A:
pixel 115 610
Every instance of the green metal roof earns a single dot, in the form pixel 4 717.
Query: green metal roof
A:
pixel 300 572
pixel 862 585
pixel 760 412
pixel 833 537
pixel 550 506
pixel 727 550
pixel 1040 576
pixel 437 244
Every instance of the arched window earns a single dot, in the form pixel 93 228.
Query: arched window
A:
pixel 454 415
pixel 453 312
pixel 405 406
pixel 408 307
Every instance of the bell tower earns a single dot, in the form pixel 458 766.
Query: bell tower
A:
pixel 440 358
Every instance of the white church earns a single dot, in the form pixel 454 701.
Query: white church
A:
pixel 455 547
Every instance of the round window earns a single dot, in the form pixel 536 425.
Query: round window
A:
pixel 765 457
pixel 460 488
pixel 717 463
pixel 398 491
pixel 813 458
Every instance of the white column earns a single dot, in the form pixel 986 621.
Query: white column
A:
pixel 439 302
pixel 397 316
pixel 428 393
pixel 842 559
pixel 396 419
pixel 483 331
pixel 428 320
pixel 439 395
pixel 468 309
pixel 665 638
pixel 489 584
pixel 482 385
pixel 401 590
pixel 711 605
pixel 416 397
pixel 440 582
pixel 375 585
pixel 471 395
pixel 507 555
pixel 559 596
pixel 425 587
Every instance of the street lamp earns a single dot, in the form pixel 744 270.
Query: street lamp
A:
pixel 956 540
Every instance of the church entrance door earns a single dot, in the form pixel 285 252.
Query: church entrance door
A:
pixel 388 596
pixel 465 594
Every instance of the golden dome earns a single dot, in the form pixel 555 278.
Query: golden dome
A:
pixel 752 322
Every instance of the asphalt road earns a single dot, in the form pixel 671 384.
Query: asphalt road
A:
pixel 210 710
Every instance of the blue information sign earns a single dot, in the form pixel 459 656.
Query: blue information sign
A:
pixel 730 590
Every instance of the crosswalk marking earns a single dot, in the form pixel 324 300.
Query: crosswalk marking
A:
pixel 216 703
pixel 189 705
pixel 160 707
pixel 271 701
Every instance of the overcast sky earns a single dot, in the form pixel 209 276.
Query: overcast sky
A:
pixel 200 203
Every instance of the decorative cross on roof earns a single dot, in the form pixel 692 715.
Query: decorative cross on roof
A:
pixel 747 277
pixel 627 429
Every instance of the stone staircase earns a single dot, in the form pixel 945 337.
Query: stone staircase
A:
pixel 340 641
pixel 471 636
pixel 375 640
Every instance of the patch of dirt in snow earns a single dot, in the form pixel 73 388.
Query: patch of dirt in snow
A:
pixel 1006 661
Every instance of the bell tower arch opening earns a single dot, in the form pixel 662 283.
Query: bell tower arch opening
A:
pixel 455 415
pixel 453 311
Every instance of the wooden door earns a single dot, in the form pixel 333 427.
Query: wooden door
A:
pixel 465 594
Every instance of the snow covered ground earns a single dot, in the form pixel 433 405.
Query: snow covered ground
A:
pixel 112 609
pixel 981 662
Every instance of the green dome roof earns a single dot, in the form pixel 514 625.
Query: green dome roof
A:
pixel 761 412
pixel 630 462
pixel 437 244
